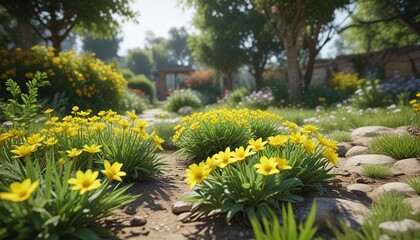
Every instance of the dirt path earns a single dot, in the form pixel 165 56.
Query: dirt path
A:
pixel 154 204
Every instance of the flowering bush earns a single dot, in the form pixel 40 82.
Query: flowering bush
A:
pixel 261 99
pixel 399 84
pixel 205 83
pixel 85 80
pixel 262 173
pixel 369 95
pixel 203 134
pixel 141 83
pixel 345 82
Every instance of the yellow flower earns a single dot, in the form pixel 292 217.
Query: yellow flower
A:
pixel 309 128
pixel 131 115
pixel 298 138
pixel 62 161
pixel 48 111
pixel 142 124
pixel 24 150
pixel 418 94
pixel 309 145
pixel 327 142
pixel 196 174
pixel 211 162
pixel 331 155
pixel 267 166
pixel 257 145
pixel 290 125
pixel 85 181
pixel 51 141
pixel 282 163
pixel 75 109
pixel 20 192
pixel 224 158
pixel 241 153
pixel 92 149
pixel 35 138
pixel 158 141
pixel 124 123
pixel 74 152
pixel 113 172
pixel 278 141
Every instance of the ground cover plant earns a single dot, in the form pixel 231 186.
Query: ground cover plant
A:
pixel 414 182
pixel 376 171
pixel 203 134
pixel 183 98
pixel 396 146
pixel 262 173
pixel 51 186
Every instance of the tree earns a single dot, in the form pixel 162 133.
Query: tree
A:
pixel 140 61
pixel 289 20
pixel 178 48
pixel 105 49
pixel 379 25
pixel 60 17
pixel 235 34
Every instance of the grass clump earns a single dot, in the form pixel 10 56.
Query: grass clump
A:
pixel 396 146
pixel 165 130
pixel 376 171
pixel 341 136
pixel 183 98
pixel 414 183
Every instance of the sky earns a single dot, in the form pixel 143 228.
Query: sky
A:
pixel 157 16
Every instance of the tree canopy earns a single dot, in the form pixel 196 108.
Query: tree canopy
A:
pixel 140 61
pixel 104 49
pixel 100 18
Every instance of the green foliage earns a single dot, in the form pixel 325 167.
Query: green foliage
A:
pixel 370 95
pixel 203 134
pixel 205 83
pixel 270 229
pixel 130 101
pixel 165 130
pixel 23 107
pixel 278 86
pixel 345 82
pixel 321 95
pixel 85 80
pixel 414 182
pixel 142 83
pixel 183 98
pixel 237 96
pixel 104 49
pixel 396 146
pixel 341 136
pixel 140 61
pixel 376 171
pixel 387 207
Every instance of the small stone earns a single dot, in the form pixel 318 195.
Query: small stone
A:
pixel 345 174
pixel 343 148
pixel 184 217
pixel 357 150
pixel 359 188
pixel 181 207
pixel 360 180
pixel 241 234
pixel 186 110
pixel 138 221
pixel 393 228
pixel 130 210
pixel 397 187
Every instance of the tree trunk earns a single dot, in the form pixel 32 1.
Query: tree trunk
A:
pixel 310 67
pixel 25 40
pixel 293 74
pixel 229 81
pixel 56 42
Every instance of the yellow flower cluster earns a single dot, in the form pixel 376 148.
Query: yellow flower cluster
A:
pixel 303 136
pixel 345 81
pixel 416 103
pixel 241 118
pixel 82 76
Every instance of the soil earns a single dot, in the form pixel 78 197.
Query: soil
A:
pixel 158 195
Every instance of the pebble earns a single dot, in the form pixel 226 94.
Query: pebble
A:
pixel 181 207
pixel 138 221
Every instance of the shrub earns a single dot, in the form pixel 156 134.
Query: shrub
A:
pixel 205 83
pixel 142 83
pixel 321 95
pixel 130 101
pixel 346 83
pixel 370 95
pixel 204 134
pixel 400 85
pixel 183 98
pixel 278 89
pixel 236 96
pixel 261 173
pixel 85 80
pixel 376 171
pixel 396 146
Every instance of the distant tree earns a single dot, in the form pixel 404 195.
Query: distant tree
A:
pixel 178 48
pixel 105 49
pixel 60 17
pixel 140 61
pixel 289 20
pixel 378 25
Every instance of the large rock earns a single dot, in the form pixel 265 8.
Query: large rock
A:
pixel 370 131
pixel 414 202
pixel 397 187
pixel 359 188
pixel 394 228
pixel 335 210
pixel 410 166
pixel 355 164
pixel 357 150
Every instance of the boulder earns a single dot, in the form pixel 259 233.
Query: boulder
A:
pixel 370 131
pixel 393 228
pixel 359 188
pixel 414 202
pixel 357 150
pixel 355 163
pixel 410 166
pixel 397 187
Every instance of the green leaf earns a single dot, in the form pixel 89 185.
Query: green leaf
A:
pixel 85 234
